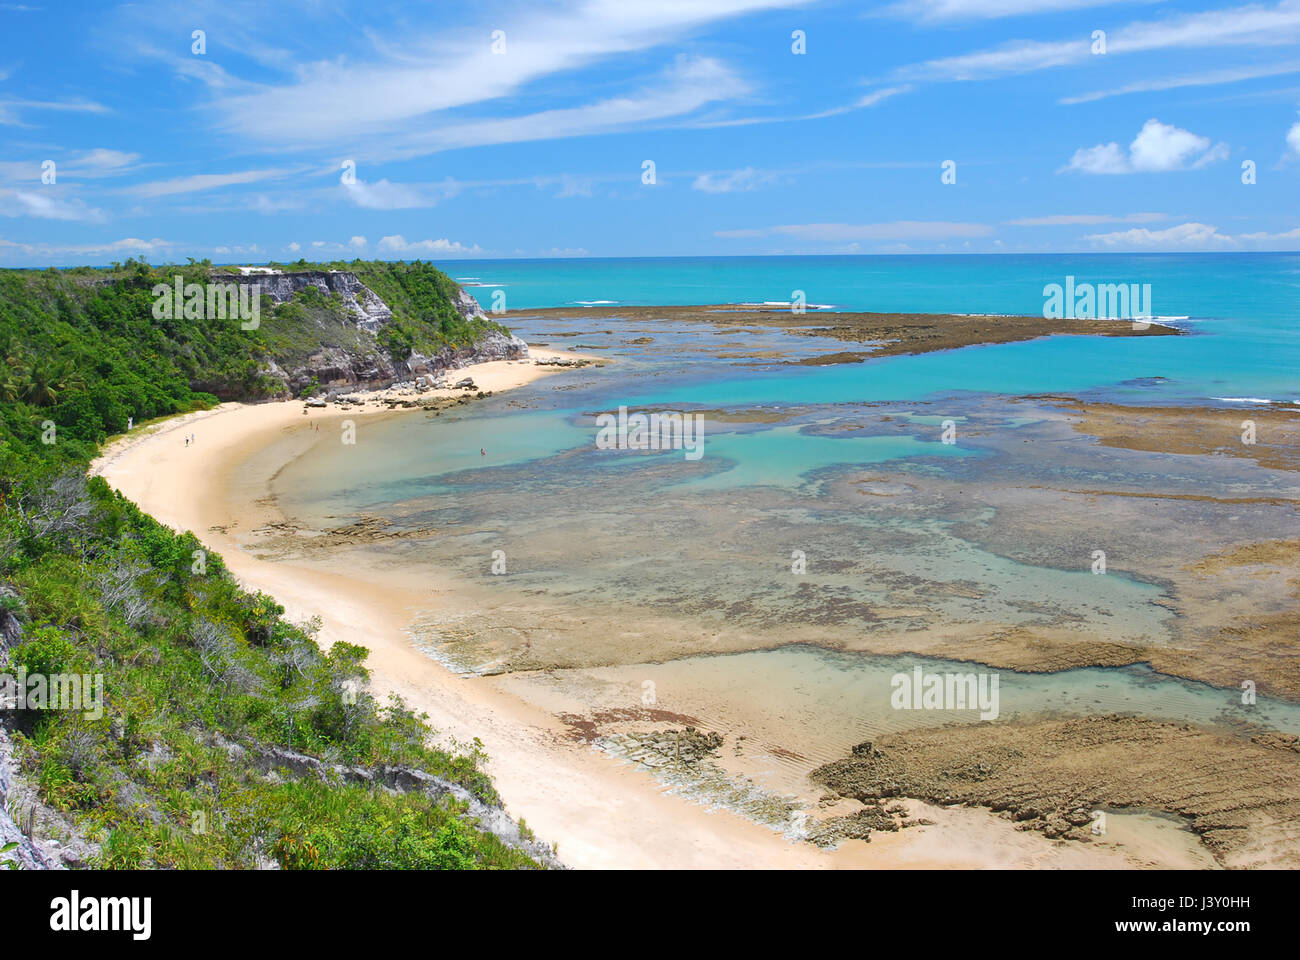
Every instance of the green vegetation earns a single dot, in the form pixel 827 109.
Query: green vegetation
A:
pixel 228 738
pixel 82 349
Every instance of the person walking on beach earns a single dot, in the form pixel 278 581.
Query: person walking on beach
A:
pixel 482 452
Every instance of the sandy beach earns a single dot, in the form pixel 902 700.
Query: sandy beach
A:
pixel 600 812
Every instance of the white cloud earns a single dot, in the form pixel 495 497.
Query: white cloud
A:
pixel 444 69
pixel 1103 158
pixel 1197 235
pixel 1293 138
pixel 1288 235
pixel 689 84
pixel 399 244
pixel 1158 147
pixel 383 195
pixel 1162 146
pixel 46 204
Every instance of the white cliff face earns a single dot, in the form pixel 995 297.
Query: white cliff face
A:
pixel 339 367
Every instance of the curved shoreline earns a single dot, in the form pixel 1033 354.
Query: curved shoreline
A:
pixel 603 813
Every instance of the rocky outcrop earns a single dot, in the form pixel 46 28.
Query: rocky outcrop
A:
pixel 11 628
pixel 1236 787
pixel 367 366
pixel 34 828
pixel 335 369
pixel 369 312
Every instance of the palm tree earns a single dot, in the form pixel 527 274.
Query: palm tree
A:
pixel 14 379
pixel 50 380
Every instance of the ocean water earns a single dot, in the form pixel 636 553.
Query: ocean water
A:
pixel 650 564
pixel 1243 309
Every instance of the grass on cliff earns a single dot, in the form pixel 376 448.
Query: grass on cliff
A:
pixel 203 681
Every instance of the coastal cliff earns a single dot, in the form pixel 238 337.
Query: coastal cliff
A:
pixel 344 334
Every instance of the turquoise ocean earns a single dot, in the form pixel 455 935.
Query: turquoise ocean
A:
pixel 1242 309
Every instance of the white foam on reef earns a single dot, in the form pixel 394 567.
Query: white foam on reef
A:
pixel 1243 399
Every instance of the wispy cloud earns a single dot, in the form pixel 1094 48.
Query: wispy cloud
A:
pixel 416 79
pixel 85 165
pixel 1212 78
pixel 47 203
pixel 383 195
pixel 128 245
pixel 689 84
pixel 868 100
pixel 208 181
pixel 850 232
pixel 943 11
pixel 733 181
pixel 1257 25
pixel 1085 219
pixel 10 109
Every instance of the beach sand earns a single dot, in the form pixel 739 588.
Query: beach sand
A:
pixel 599 811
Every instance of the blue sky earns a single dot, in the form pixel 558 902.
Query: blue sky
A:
pixel 463 142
